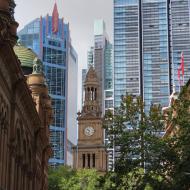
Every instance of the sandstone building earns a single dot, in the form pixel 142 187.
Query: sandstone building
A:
pixel 25 114
pixel 90 150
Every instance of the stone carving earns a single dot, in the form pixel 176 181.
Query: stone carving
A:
pixel 8 26
pixel 37 66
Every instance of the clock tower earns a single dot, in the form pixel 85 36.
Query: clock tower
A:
pixel 90 151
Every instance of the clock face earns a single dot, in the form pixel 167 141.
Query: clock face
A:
pixel 89 131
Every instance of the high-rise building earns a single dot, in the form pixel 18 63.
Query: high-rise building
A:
pixel 84 71
pixel 180 35
pixel 149 36
pixel 71 101
pixel 49 37
pixel 100 57
pixel 90 57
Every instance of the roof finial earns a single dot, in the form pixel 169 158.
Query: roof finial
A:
pixel 55 19
pixel 37 66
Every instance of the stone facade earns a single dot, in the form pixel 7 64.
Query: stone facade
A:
pixel 90 151
pixel 25 114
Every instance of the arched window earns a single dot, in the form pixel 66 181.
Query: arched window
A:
pixel 95 94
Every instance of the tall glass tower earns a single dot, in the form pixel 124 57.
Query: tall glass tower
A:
pixel 49 37
pixel 180 34
pixel 149 36
pixel 103 63
pixel 101 57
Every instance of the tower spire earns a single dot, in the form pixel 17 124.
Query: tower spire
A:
pixel 55 19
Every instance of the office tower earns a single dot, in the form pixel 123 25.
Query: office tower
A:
pixel 90 62
pixel 100 57
pixel 90 57
pixel 71 114
pixel 180 35
pixel 148 36
pixel 49 37
pixel 84 71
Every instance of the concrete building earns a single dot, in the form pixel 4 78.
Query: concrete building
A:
pixel 49 37
pixel 25 112
pixel 148 37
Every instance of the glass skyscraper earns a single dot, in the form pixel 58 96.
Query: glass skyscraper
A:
pixel 101 57
pixel 49 37
pixel 180 34
pixel 149 36
pixel 103 63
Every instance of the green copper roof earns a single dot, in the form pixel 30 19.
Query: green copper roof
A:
pixel 25 55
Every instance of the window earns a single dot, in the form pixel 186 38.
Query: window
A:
pixel 83 160
pixel 93 160
pixel 88 160
pixel 54 56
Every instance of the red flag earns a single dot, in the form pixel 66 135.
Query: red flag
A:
pixel 55 19
pixel 182 64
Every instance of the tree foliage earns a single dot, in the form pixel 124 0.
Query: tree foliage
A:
pixel 57 174
pixel 180 172
pixel 144 159
pixel 65 178
pixel 83 179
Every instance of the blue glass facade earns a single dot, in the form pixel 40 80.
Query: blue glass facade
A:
pixel 126 49
pixel 180 34
pixel 155 56
pixel 53 49
pixel 149 36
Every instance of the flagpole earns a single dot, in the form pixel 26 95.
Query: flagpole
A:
pixel 179 78
pixel 182 66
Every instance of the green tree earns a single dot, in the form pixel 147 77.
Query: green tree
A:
pixel 180 172
pixel 55 176
pixel 142 155
pixel 65 178
pixel 84 179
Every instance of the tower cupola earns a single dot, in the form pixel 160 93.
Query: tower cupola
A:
pixel 92 96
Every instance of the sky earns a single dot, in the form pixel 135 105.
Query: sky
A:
pixel 80 14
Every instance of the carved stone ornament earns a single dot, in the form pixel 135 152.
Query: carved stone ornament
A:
pixel 8 26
